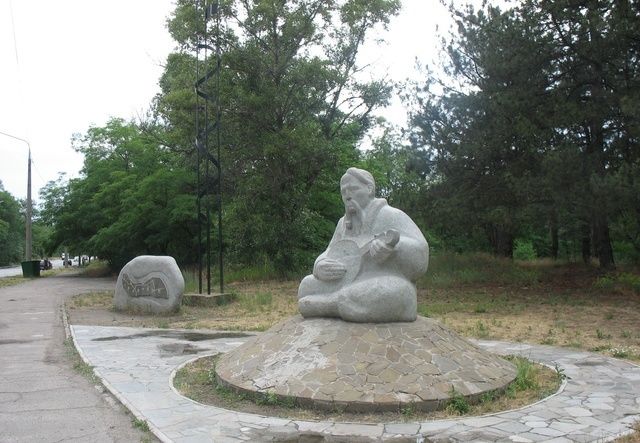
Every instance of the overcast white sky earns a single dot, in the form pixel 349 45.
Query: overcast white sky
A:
pixel 81 62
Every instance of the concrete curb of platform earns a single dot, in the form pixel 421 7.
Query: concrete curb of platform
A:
pixel 107 388
pixel 120 398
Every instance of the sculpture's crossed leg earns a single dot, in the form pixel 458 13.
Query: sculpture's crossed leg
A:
pixel 370 300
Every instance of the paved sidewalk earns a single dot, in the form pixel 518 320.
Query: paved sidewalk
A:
pixel 42 399
pixel 599 400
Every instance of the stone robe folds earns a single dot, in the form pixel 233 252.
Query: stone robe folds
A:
pixel 380 291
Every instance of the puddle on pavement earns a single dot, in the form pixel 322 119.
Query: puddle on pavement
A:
pixel 173 349
pixel 180 335
pixel 16 341
pixel 589 363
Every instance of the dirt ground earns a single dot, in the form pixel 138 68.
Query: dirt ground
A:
pixel 564 310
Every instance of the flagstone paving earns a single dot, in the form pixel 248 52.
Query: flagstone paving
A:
pixel 331 364
pixel 599 400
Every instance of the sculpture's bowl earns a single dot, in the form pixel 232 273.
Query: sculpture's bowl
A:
pixel 332 364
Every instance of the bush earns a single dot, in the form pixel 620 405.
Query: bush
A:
pixel 523 250
pixel 621 283
pixel 457 403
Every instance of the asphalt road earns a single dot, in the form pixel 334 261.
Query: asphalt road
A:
pixel 42 398
pixel 17 270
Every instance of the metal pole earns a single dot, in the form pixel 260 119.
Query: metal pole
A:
pixel 206 173
pixel 219 119
pixel 198 182
pixel 28 237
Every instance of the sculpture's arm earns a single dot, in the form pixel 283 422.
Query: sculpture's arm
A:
pixel 327 269
pixel 411 255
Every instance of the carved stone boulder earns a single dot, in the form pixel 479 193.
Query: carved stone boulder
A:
pixel 149 283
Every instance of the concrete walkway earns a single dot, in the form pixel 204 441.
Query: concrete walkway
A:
pixel 42 399
pixel 599 400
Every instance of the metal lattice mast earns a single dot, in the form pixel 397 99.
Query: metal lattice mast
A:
pixel 207 183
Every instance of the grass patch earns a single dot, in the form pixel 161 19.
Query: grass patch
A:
pixel 602 335
pixel 78 364
pixel 255 273
pixel 260 301
pixel 141 425
pixel 11 281
pixel 96 299
pixel 631 438
pixel 458 404
pixel 97 269
pixel 619 282
pixel 449 270
pixel 197 381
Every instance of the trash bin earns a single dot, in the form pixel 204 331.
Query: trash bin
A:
pixel 31 268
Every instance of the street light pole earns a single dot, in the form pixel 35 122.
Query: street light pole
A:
pixel 28 242
pixel 28 237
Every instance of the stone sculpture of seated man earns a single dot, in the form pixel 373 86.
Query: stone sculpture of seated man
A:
pixel 368 272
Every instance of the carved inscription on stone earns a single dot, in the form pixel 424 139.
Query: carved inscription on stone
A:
pixel 152 287
pixel 151 284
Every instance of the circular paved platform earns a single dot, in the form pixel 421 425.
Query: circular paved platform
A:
pixel 599 401
pixel 363 367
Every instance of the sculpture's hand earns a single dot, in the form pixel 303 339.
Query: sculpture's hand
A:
pixel 329 269
pixel 380 250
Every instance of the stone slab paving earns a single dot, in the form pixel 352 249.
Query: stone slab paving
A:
pixel 599 400
pixel 329 363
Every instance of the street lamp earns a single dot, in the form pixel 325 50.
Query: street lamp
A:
pixel 28 238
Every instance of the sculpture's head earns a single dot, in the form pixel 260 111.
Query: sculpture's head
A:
pixel 357 188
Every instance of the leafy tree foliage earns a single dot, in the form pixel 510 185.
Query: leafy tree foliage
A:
pixel 293 110
pixel 541 134
pixel 132 198
pixel 11 229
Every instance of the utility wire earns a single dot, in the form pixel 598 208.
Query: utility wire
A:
pixel 13 29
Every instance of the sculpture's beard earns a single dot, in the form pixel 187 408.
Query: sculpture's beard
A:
pixel 353 217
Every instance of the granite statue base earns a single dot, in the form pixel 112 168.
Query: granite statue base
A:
pixel 363 367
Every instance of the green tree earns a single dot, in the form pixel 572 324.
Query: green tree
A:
pixel 134 197
pixel 543 130
pixel 293 110
pixel 486 139
pixel 11 229
pixel 400 172
pixel 595 55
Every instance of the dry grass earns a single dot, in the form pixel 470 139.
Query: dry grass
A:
pixel 256 307
pixel 565 307
pixel 631 438
pixel 17 279
pixel 560 305
pixel 10 281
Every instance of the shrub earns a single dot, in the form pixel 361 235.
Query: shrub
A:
pixel 523 250
pixel 457 403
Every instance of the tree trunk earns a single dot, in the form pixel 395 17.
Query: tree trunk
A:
pixel 602 242
pixel 501 241
pixel 586 243
pixel 553 226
